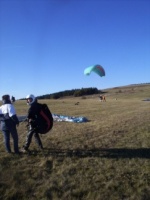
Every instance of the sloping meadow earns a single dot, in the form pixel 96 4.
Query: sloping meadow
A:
pixel 107 157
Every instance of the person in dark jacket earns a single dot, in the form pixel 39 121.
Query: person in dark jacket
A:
pixel 9 120
pixel 12 99
pixel 32 122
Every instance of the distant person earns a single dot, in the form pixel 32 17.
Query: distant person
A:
pixel 32 122
pixel 9 120
pixel 102 98
pixel 12 99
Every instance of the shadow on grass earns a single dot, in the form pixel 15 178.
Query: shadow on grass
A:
pixel 101 152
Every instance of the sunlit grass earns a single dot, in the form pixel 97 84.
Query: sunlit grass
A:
pixel 104 158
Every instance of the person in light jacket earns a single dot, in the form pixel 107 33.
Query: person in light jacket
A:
pixel 8 123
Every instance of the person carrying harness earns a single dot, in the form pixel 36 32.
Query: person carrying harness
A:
pixel 32 122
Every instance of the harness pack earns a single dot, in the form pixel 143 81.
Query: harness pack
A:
pixel 44 119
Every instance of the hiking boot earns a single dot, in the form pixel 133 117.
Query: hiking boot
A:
pixel 24 149
pixel 17 152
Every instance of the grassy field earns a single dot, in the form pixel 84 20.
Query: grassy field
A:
pixel 106 158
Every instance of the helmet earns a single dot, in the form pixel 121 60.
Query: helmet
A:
pixel 32 97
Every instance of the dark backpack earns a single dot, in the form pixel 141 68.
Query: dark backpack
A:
pixel 44 119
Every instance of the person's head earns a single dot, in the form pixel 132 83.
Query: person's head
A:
pixel 6 99
pixel 30 99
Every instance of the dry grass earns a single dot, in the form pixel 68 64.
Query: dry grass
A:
pixel 105 158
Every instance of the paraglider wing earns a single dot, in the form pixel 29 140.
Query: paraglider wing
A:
pixel 98 69
pixel 88 70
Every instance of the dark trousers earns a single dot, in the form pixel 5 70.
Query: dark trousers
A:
pixel 7 131
pixel 32 132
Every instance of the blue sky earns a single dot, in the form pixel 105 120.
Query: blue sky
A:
pixel 45 45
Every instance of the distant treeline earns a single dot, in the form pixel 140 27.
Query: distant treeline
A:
pixel 73 92
pixel 76 92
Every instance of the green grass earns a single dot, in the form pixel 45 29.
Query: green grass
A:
pixel 105 158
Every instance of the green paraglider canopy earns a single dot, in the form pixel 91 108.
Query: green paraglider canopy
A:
pixel 98 69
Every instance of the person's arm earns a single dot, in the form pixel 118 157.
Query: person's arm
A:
pixel 12 114
pixel 15 119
